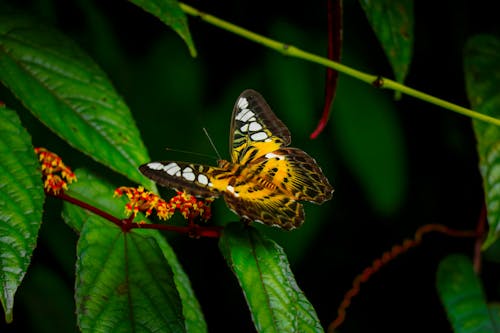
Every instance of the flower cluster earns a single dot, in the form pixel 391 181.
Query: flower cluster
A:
pixel 144 201
pixel 56 174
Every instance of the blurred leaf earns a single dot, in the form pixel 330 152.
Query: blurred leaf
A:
pixel 482 74
pixel 68 92
pixel 166 102
pixel 21 204
pixel 49 300
pixel 462 296
pixel 276 302
pixel 103 42
pixel 492 253
pixel 392 22
pixel 293 101
pixel 370 139
pixel 495 313
pixel 99 194
pixel 169 12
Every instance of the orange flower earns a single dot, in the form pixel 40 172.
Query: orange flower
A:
pixel 55 173
pixel 144 201
pixel 190 207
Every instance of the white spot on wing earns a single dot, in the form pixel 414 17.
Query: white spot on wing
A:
pixel 172 169
pixel 259 136
pixel 231 189
pixel 273 155
pixel 155 166
pixel 188 174
pixel 202 179
pixel 244 128
pixel 255 126
pixel 242 103
pixel 244 115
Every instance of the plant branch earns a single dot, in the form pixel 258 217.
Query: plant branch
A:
pixel 293 51
pixel 193 230
pixel 386 257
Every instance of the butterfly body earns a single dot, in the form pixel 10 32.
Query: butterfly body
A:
pixel 265 179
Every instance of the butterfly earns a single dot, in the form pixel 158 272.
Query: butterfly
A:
pixel 265 179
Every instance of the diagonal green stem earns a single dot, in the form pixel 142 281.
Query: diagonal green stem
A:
pixel 293 51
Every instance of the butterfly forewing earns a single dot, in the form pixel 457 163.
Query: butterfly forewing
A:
pixel 196 179
pixel 255 129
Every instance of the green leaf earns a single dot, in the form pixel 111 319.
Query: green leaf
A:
pixel 371 140
pixel 482 75
pixel 495 314
pixel 68 92
pixel 48 298
pixel 123 282
pixel 276 302
pixel 21 203
pixel 462 296
pixel 170 13
pixel 392 22
pixel 98 193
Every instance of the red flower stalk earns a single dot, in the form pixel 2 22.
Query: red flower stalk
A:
pixel 144 201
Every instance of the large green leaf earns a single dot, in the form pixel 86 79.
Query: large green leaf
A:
pixel 462 296
pixel 21 203
pixel 169 12
pixel 276 302
pixel 370 138
pixel 392 22
pixel 482 74
pixel 47 297
pixel 123 282
pixel 99 194
pixel 68 92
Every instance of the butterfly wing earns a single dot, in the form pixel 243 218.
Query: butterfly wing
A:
pixel 196 179
pixel 266 205
pixel 295 173
pixel 255 129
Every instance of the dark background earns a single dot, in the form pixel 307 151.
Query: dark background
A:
pixel 395 165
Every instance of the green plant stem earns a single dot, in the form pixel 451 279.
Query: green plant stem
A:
pixel 293 51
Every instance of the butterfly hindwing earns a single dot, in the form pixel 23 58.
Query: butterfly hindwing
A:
pixel 255 129
pixel 266 205
pixel 196 179
pixel 295 173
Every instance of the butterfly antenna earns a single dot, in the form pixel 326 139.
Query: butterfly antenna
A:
pixel 189 152
pixel 212 143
